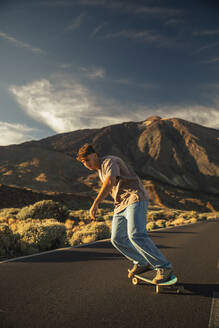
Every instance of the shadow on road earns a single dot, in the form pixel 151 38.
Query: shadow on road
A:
pixel 72 255
pixel 206 290
pixel 172 232
pixel 98 251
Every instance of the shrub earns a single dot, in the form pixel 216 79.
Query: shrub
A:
pixel 44 209
pixel 36 235
pixel 169 223
pixel 202 216
pixel 3 220
pixel 84 215
pixel 90 232
pixel 80 214
pixel 192 220
pixel 161 223
pixel 151 226
pixel 155 215
pixel 172 214
pixel 8 244
pixel 192 214
pixel 9 212
pixel 69 224
pixel 212 216
pixel 179 221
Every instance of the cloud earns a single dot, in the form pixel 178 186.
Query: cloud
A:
pixel 93 73
pixel 98 29
pixel 76 23
pixel 132 7
pixel 157 11
pixel 203 115
pixel 21 44
pixel 142 36
pixel 132 83
pixel 211 61
pixel 65 104
pixel 13 133
pixel 174 22
pixel 206 32
pixel 207 46
pixel 64 66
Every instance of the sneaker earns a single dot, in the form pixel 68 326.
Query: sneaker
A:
pixel 163 274
pixel 137 269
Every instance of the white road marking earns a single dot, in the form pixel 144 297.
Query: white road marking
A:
pixel 214 315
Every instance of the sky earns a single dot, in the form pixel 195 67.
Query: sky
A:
pixel 67 65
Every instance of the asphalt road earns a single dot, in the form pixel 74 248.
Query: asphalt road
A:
pixel 88 286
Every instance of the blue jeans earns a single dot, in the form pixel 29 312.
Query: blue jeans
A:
pixel 130 237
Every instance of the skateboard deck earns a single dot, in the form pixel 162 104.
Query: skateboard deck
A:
pixel 166 286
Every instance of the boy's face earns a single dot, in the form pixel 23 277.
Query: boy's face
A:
pixel 91 162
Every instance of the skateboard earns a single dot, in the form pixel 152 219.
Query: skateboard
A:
pixel 166 286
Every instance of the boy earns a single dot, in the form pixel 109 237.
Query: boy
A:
pixel 129 234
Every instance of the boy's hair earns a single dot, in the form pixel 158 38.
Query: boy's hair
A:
pixel 84 151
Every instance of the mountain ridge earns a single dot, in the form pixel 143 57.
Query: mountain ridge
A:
pixel 171 152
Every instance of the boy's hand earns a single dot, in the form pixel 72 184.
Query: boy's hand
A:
pixel 93 211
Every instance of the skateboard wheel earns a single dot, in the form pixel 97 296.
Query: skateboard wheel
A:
pixel 134 281
pixel 180 290
pixel 158 289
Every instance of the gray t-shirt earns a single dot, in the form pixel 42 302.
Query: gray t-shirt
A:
pixel 128 188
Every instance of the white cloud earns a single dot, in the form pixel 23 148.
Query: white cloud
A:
pixel 98 29
pixel 211 61
pixel 207 46
pixel 64 66
pixel 63 105
pixel 142 36
pixel 206 116
pixel 131 6
pixel 76 23
pixel 21 44
pixel 133 83
pixel 93 73
pixel 67 105
pixel 157 11
pixel 174 22
pixel 206 32
pixel 13 133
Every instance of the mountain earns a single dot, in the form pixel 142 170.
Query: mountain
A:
pixel 177 160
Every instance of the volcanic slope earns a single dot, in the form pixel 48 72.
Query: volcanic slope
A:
pixel 178 161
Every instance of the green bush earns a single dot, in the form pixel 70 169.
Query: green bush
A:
pixel 44 209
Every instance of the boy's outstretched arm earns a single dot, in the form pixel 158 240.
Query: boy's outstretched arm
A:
pixel 107 186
